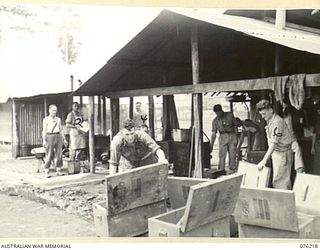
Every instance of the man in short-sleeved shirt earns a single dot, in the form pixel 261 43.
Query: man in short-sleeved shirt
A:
pixel 53 139
pixel 139 116
pixel 225 124
pixel 279 142
pixel 132 148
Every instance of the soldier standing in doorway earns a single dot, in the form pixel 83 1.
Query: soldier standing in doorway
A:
pixel 226 125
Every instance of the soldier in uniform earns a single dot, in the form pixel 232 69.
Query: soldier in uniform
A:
pixel 226 125
pixel 139 116
pixel 132 148
pixel 279 142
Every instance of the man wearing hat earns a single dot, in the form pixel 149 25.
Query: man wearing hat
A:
pixel 226 125
pixel 279 142
pixel 131 148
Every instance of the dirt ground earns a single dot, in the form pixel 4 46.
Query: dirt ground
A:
pixel 20 218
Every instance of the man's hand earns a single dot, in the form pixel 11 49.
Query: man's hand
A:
pixel 163 161
pixel 312 151
pixel 261 165
pixel 112 169
pixel 65 142
pixel 300 170
pixel 44 144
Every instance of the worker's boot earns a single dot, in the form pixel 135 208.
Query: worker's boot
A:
pixel 59 172
pixel 46 173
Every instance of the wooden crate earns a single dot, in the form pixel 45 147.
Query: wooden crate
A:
pixel 136 188
pixel 252 177
pixel 167 225
pixel 268 213
pixel 307 198
pixel 132 198
pixel 132 222
pixel 207 211
pixel 306 230
pixel 178 189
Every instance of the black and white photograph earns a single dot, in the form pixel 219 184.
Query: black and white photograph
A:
pixel 158 123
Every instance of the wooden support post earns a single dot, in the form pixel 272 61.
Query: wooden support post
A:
pixel 81 101
pixel 99 115
pixel 131 108
pixel 280 19
pixel 277 60
pixel 104 116
pixel 197 104
pixel 166 132
pixel 151 115
pixel 15 130
pixel 71 83
pixel 45 104
pixel 91 134
pixel 115 116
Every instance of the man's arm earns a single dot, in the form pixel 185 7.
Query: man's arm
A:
pixel 65 142
pixel 313 143
pixel 114 156
pixel 241 139
pixel 161 156
pixel 213 139
pixel 69 121
pixel 266 157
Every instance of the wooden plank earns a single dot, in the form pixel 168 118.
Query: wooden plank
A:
pixel 280 19
pixel 165 225
pixel 131 108
pixel 91 134
pixel 178 189
pixel 210 201
pixel 312 80
pixel 306 230
pixel 115 116
pixel 99 120
pixel 252 177
pixel 136 188
pixel 307 194
pixel 267 207
pixel 104 116
pixel 15 129
pixel 151 116
pixel 197 104
pixel 250 231
pixel 130 223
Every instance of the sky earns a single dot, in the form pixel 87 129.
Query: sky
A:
pixel 31 65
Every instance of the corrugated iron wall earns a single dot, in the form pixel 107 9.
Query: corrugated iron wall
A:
pixel 30 117
pixel 30 123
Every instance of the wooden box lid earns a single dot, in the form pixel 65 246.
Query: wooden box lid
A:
pixel 307 193
pixel 252 177
pixel 266 207
pixel 136 188
pixel 210 201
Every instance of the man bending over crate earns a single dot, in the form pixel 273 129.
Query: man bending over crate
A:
pixel 132 148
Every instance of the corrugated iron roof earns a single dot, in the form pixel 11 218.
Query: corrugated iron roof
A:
pixel 231 48
pixel 295 39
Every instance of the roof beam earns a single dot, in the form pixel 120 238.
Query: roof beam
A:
pixel 130 62
pixel 312 80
